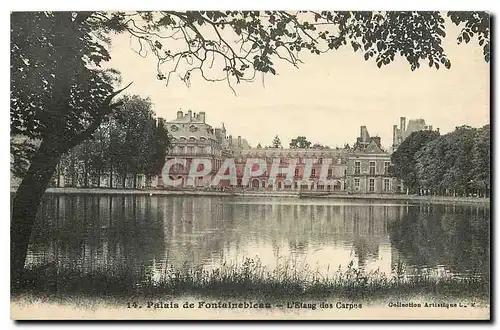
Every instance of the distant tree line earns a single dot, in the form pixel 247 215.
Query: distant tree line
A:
pixel 131 142
pixel 454 164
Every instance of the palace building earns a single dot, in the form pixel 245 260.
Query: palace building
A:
pixel 361 169
pixel 401 133
pixel 193 138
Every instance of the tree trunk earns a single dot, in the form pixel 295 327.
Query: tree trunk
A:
pixel 111 175
pixel 58 175
pixel 124 177
pixel 135 180
pixel 85 176
pixel 99 178
pixel 25 206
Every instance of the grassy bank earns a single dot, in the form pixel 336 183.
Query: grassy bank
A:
pixel 246 280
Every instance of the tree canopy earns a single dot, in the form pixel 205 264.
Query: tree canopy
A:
pixel 276 143
pixel 242 43
pixel 129 143
pixel 404 161
pixel 300 142
pixel 454 163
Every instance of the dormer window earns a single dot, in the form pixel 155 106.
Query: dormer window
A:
pixel 174 128
pixel 193 128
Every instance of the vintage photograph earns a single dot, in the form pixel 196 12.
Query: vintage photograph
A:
pixel 251 165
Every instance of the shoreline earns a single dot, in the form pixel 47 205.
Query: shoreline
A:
pixel 288 194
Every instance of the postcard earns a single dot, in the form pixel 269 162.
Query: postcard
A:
pixel 251 165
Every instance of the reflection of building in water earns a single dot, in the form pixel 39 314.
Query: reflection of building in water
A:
pixel 187 231
pixel 395 259
pixel 248 229
pixel 93 232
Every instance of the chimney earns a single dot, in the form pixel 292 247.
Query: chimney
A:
pixel 365 137
pixel 402 122
pixel 160 122
pixel 394 134
pixel 230 140
pixel 190 114
pixel 239 141
pixel 201 116
pixel 430 127
pixel 179 114
pixel 437 129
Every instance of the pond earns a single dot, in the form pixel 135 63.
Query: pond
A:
pixel 156 232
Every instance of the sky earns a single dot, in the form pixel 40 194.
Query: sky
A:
pixel 327 98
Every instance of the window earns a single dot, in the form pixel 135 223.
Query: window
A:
pixel 202 150
pixel 320 161
pixel 372 167
pixel 339 160
pixel 190 150
pixel 181 149
pixel 313 172
pixel 387 185
pixel 330 172
pixel 356 183
pixel 372 185
pixel 357 166
pixel 296 172
pixel 386 167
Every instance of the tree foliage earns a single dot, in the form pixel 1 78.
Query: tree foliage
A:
pixel 300 142
pixel 227 46
pixel 242 43
pixel 457 163
pixel 130 143
pixel 276 143
pixel 57 88
pixel 320 146
pixel 404 161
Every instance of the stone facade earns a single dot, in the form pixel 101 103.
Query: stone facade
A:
pixel 193 138
pixel 331 164
pixel 368 167
pixel 401 133
pixel 362 169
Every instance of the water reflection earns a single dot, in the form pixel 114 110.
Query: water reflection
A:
pixel 90 232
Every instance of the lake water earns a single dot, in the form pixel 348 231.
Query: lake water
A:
pixel 154 232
